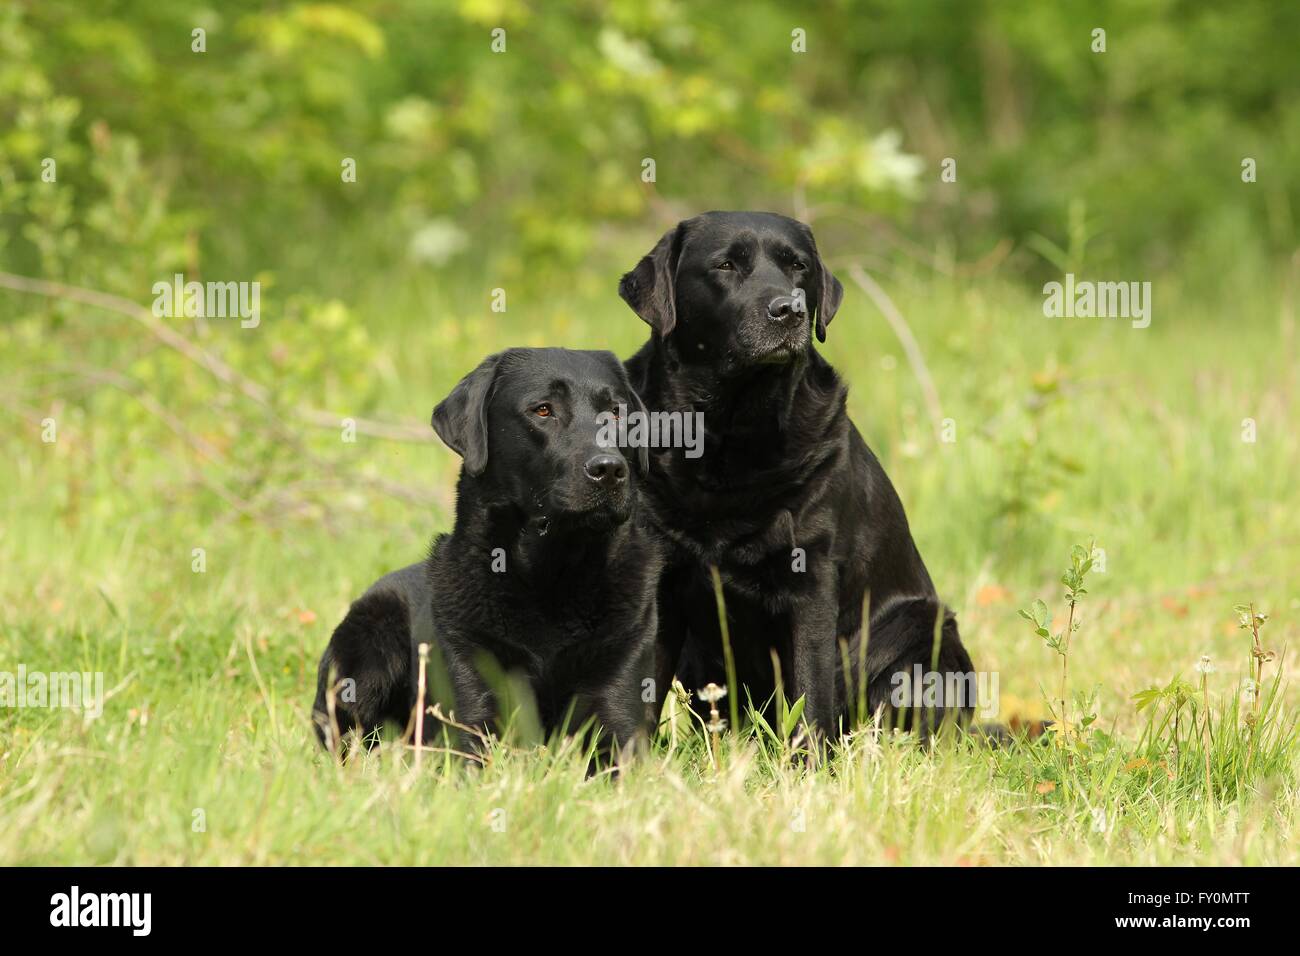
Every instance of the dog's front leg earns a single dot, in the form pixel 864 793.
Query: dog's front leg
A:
pixel 622 734
pixel 476 707
pixel 812 652
pixel 626 709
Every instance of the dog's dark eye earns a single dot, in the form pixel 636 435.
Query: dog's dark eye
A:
pixel 726 265
pixel 798 266
pixel 543 411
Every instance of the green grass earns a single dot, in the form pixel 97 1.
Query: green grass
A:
pixel 1067 430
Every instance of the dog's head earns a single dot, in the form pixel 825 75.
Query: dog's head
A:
pixel 735 290
pixel 537 429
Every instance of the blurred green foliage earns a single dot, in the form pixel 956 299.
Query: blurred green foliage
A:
pixel 529 160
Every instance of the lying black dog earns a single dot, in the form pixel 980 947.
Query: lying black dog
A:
pixel 786 500
pixel 545 571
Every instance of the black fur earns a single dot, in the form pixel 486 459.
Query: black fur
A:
pixel 573 611
pixel 783 468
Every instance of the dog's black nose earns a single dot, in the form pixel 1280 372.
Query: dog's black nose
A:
pixel 782 307
pixel 606 469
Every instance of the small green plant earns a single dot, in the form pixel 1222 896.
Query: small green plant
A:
pixel 1167 703
pixel 781 733
pixel 1248 740
pixel 1251 620
pixel 1040 617
pixel 1037 471
pixel 1205 667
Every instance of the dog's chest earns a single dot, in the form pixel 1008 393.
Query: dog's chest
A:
pixel 536 626
pixel 742 525
pixel 773 562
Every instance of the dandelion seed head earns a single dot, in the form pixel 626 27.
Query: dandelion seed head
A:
pixel 712 693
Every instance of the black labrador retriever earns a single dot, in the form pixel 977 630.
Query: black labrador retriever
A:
pixel 786 500
pixel 546 571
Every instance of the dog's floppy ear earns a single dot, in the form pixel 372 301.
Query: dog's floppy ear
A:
pixel 831 292
pixel 828 303
pixel 461 418
pixel 648 288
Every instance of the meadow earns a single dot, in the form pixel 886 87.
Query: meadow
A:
pixel 1059 432
pixel 187 506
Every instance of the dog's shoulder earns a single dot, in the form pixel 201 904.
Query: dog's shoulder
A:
pixel 461 594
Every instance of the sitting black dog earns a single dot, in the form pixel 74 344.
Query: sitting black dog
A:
pixel 546 571
pixel 786 500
